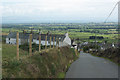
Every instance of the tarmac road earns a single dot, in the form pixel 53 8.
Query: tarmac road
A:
pixel 88 66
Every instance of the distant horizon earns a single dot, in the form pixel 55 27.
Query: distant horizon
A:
pixel 57 11
pixel 58 22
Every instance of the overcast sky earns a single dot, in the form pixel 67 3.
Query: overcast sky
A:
pixel 22 11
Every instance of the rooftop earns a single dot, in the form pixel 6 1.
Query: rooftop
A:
pixel 36 36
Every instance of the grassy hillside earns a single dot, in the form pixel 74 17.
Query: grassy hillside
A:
pixel 9 52
pixel 52 63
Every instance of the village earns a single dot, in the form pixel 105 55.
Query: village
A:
pixel 65 39
pixel 57 40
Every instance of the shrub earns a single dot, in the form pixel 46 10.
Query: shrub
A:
pixel 85 48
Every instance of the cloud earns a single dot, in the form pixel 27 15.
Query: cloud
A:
pixel 57 9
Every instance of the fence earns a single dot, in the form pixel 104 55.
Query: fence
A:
pixel 30 43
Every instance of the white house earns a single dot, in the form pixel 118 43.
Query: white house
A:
pixel 24 38
pixel 67 39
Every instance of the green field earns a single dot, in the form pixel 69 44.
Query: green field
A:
pixel 84 36
pixel 81 31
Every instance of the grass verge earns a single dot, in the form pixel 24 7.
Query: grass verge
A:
pixel 52 63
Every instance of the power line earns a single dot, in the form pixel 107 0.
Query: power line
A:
pixel 111 12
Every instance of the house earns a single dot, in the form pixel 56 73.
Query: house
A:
pixel 108 45
pixel 24 38
pixel 73 44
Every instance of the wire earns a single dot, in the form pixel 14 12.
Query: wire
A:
pixel 111 12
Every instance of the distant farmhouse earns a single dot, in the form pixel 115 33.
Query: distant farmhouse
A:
pixel 64 40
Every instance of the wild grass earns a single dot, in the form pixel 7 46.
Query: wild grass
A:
pixel 52 63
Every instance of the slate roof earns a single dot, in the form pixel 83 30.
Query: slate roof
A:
pixel 36 36
pixel 21 35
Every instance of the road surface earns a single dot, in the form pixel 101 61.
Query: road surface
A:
pixel 88 66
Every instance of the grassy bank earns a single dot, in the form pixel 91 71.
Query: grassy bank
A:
pixel 51 63
pixel 111 54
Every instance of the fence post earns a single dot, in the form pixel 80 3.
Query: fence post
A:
pixel 53 41
pixel 46 42
pixel 30 45
pixel 50 41
pixel 56 42
pixel 39 42
pixel 76 52
pixel 17 42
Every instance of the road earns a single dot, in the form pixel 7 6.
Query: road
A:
pixel 88 66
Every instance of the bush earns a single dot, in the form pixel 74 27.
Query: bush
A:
pixel 94 46
pixel 85 48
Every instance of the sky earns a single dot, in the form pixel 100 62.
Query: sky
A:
pixel 57 11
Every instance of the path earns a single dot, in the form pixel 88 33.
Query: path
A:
pixel 88 66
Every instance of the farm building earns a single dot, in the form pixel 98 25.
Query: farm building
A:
pixel 24 38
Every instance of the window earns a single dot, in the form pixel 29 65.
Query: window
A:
pixel 9 38
pixel 9 42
